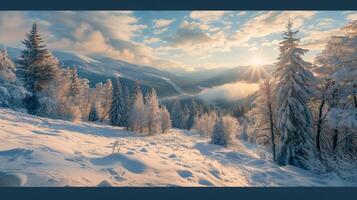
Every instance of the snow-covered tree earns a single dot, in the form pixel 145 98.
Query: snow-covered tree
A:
pixel 4 97
pixel 337 88
pixel 78 92
pixel 265 130
pixel 137 116
pixel 293 80
pixel 165 119
pixel 7 68
pixel 224 131
pixel 153 114
pixel 106 99
pixel 116 110
pixel 177 115
pixel 204 124
pixel 102 96
pixel 37 68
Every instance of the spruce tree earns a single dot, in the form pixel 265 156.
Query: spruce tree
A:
pixel 37 68
pixel 116 109
pixel 125 104
pixel 293 80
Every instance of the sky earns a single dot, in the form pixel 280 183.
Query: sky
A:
pixel 188 40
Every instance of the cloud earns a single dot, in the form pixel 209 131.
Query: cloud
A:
pixel 207 16
pixel 270 22
pixel 109 34
pixel 151 40
pixel 161 23
pixel 323 23
pixel 272 43
pixel 189 35
pixel 191 39
pixel 352 17
pixel 316 40
pixel 13 27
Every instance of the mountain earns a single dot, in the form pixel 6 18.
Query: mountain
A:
pixel 167 83
pixel 99 69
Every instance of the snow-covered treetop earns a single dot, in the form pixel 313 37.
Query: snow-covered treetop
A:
pixel 7 67
pixel 291 68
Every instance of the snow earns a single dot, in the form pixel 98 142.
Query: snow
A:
pixel 38 151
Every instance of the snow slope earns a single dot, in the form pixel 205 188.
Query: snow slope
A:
pixel 45 152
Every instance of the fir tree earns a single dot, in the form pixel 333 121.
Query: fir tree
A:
pixel 37 68
pixel 116 110
pixel 293 79
pixel 125 105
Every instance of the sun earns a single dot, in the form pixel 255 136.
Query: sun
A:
pixel 257 61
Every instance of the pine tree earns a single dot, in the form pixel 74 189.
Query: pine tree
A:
pixel 7 68
pixel 153 113
pixel 125 104
pixel 165 120
pixel 116 110
pixel 177 116
pixel 293 79
pixel 37 68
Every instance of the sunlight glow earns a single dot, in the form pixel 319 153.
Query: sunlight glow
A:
pixel 257 61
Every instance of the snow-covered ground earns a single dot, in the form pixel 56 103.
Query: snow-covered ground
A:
pixel 45 152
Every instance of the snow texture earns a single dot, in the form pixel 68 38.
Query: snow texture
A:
pixel 38 151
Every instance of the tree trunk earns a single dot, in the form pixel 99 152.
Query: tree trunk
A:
pixel 272 131
pixel 318 131
pixel 335 140
pixel 355 100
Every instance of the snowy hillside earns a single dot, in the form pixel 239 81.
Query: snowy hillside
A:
pixel 44 152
